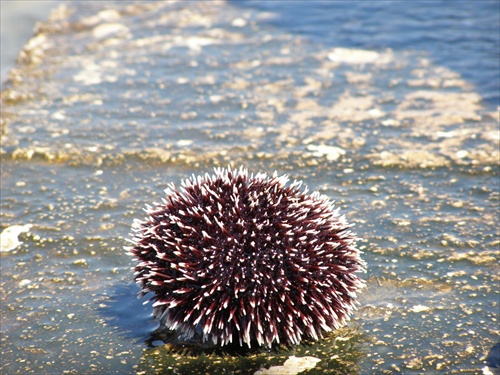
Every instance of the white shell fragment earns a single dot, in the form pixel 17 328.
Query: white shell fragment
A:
pixel 293 365
pixel 9 237
pixel 330 152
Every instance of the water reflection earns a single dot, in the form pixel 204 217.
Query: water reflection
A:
pixel 339 352
pixel 128 314
pixel 166 352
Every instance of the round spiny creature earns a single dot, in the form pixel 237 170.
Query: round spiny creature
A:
pixel 234 257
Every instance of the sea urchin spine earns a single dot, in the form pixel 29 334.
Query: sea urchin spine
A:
pixel 234 256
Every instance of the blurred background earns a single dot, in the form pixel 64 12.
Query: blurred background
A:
pixel 18 17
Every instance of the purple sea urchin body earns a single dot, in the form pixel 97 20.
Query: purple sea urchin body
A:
pixel 247 258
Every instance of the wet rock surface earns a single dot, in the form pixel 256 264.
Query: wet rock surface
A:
pixel 111 101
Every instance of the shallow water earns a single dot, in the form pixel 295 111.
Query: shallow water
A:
pixel 113 101
pixel 463 37
pixel 16 27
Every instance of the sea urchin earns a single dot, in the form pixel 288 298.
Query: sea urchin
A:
pixel 246 258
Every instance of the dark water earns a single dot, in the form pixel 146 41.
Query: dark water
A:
pixel 461 35
pixel 111 101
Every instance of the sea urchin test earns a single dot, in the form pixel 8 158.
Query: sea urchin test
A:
pixel 241 258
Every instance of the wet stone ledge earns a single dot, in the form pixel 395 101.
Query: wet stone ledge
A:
pixel 110 101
